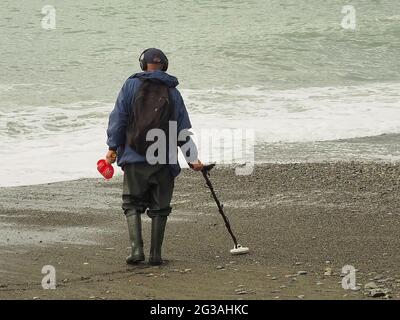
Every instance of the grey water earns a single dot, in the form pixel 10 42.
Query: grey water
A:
pixel 288 69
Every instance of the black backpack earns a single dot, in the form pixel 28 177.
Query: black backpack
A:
pixel 152 108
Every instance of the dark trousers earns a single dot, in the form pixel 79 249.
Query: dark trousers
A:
pixel 147 187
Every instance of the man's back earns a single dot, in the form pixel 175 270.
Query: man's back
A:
pixel 120 115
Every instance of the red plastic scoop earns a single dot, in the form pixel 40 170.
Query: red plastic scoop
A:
pixel 105 169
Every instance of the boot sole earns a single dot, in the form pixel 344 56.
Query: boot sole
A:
pixel 134 261
pixel 158 263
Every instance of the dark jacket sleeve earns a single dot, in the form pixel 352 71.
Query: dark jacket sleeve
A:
pixel 183 122
pixel 116 132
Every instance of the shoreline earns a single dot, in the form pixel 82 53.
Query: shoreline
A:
pixel 299 220
pixel 118 172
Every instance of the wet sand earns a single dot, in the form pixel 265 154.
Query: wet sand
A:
pixel 302 222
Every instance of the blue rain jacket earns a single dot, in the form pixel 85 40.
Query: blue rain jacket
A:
pixel 118 119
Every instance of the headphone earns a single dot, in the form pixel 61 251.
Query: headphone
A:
pixel 143 63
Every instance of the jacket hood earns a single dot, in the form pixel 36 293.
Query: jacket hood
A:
pixel 169 80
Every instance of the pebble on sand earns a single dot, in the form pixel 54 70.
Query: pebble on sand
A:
pixel 376 293
pixel 371 285
pixel 378 277
pixel 328 272
pixel 241 292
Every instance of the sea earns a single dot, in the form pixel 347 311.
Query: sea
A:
pixel 310 80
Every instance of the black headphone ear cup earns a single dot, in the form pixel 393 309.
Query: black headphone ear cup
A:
pixel 165 66
pixel 143 65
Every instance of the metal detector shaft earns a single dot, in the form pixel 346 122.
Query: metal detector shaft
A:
pixel 220 206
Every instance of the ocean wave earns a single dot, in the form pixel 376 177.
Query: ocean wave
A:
pixel 38 122
pixel 388 19
pixel 300 115
pixel 381 139
pixel 62 142
pixel 296 115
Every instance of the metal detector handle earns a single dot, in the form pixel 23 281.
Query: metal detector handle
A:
pixel 206 168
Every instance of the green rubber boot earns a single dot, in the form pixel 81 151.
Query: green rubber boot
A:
pixel 157 236
pixel 134 220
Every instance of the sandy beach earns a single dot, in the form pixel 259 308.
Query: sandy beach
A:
pixel 302 223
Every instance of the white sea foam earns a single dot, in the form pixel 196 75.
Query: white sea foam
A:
pixel 301 115
pixel 54 143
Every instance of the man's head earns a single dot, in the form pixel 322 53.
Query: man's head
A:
pixel 153 59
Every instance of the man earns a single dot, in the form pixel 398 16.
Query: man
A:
pixel 146 187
